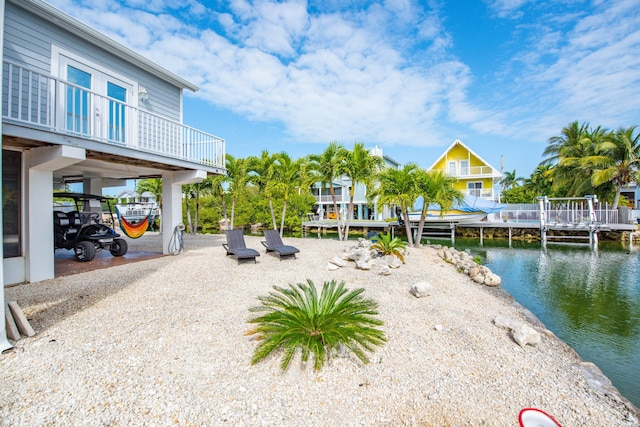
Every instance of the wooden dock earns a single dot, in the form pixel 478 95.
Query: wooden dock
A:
pixel 324 225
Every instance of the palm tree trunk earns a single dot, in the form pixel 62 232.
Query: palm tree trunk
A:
pixel 335 209
pixel 284 212
pixel 407 227
pixel 224 212
pixel 617 198
pixel 423 217
pixel 189 224
pixel 197 214
pixel 233 210
pixel 346 229
pixel 273 214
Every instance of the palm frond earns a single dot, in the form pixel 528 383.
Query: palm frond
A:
pixel 297 319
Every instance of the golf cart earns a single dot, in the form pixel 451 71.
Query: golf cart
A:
pixel 79 223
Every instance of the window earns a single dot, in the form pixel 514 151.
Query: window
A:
pixel 96 100
pixel 78 100
pixel 452 169
pixel 11 197
pixel 474 189
pixel 464 167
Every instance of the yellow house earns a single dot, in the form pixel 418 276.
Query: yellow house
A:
pixel 475 175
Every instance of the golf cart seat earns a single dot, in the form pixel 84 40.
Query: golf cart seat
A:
pixel 63 230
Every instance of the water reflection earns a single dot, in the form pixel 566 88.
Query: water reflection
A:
pixel 590 299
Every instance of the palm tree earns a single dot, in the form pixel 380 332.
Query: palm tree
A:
pixel 397 187
pixel 287 175
pixel 435 187
pixel 217 190
pixel 569 153
pixel 262 169
pixel 618 160
pixel 360 167
pixel 153 186
pixel 540 183
pixel 329 167
pixel 194 192
pixel 238 179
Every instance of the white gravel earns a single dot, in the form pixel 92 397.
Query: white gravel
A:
pixel 160 342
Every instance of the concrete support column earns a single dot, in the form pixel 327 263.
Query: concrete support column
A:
pixel 172 183
pixel 40 164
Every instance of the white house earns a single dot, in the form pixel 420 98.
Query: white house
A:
pixel 78 107
pixel 362 207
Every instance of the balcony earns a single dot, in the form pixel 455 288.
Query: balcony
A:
pixel 469 172
pixel 43 102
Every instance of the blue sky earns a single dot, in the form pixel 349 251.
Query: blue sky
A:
pixel 503 76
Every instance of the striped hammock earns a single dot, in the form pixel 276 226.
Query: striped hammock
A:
pixel 133 231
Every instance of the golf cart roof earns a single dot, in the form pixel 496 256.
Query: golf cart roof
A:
pixel 82 196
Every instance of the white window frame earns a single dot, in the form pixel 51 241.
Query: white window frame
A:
pixel 472 188
pixel 61 58
pixel 452 168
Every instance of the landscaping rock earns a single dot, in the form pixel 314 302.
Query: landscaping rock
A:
pixel 421 289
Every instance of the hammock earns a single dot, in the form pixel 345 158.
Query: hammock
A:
pixel 133 230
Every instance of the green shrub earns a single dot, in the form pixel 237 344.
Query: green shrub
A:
pixel 388 246
pixel 295 318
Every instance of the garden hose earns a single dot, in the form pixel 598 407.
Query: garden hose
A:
pixel 176 244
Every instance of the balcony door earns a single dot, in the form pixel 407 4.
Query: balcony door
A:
pixel 96 103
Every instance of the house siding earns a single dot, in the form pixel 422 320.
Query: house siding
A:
pixel 33 49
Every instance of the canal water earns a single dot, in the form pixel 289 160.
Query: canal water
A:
pixel 588 298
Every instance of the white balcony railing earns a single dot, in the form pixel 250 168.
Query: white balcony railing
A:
pixel 468 172
pixel 44 102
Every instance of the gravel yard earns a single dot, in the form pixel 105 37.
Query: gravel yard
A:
pixel 160 342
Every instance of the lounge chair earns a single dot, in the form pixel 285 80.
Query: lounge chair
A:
pixel 274 244
pixel 235 246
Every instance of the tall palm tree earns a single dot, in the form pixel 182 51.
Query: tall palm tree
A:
pixel 360 167
pixel 238 179
pixel 262 169
pixel 540 182
pixel 217 190
pixel 153 186
pixel 397 187
pixel 329 166
pixel 618 160
pixel 288 175
pixel 571 173
pixel 194 192
pixel 435 187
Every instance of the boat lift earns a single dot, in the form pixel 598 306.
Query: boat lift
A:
pixel 574 214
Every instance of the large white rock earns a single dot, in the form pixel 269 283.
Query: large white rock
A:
pixel 392 261
pixel 492 279
pixel 524 335
pixel 421 289
pixel 338 261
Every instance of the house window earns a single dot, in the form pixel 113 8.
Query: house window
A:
pixel 11 205
pixel 464 167
pixel 98 100
pixel 474 189
pixel 452 169
pixel 78 100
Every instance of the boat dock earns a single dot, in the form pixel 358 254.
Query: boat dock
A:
pixel 322 226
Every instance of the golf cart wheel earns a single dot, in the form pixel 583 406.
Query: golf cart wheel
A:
pixel 85 251
pixel 119 247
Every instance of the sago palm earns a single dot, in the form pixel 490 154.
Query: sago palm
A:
pixel 390 246
pixel 296 318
